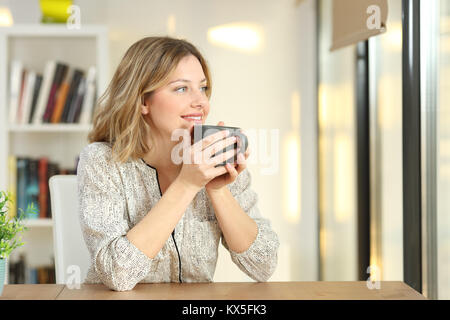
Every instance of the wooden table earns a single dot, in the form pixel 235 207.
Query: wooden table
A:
pixel 321 290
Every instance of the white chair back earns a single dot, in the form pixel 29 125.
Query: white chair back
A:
pixel 72 257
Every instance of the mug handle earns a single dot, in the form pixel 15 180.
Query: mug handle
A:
pixel 244 141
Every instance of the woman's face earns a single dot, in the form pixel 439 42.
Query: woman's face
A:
pixel 185 94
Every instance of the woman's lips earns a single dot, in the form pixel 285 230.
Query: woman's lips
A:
pixel 193 120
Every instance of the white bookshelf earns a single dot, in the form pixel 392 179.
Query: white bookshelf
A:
pixel 70 127
pixel 35 223
pixel 34 45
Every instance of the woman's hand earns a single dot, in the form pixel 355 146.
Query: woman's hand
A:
pixel 233 170
pixel 200 169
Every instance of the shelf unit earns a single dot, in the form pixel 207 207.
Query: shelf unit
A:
pixel 35 223
pixel 50 128
pixel 34 45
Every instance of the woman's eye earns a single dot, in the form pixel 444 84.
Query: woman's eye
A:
pixel 205 88
pixel 179 89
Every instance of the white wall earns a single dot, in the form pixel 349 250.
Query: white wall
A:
pixel 337 136
pixel 387 57
pixel 251 90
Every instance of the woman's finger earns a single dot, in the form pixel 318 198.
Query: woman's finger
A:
pixel 247 153
pixel 232 171
pixel 222 157
pixel 210 140
pixel 220 170
pixel 219 146
pixel 244 157
pixel 242 164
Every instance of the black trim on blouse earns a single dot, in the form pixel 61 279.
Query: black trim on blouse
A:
pixel 173 232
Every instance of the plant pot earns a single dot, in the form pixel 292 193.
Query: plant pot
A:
pixel 2 274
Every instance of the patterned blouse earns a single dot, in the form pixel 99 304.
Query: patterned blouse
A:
pixel 114 197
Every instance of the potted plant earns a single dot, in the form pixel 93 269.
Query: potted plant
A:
pixel 11 230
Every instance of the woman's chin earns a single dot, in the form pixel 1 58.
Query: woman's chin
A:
pixel 191 124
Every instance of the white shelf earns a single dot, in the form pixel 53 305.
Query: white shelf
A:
pixel 35 45
pixel 53 30
pixel 40 222
pixel 50 128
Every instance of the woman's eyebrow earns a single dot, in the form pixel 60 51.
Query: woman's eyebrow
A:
pixel 185 80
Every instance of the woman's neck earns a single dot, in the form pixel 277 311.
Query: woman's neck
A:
pixel 159 157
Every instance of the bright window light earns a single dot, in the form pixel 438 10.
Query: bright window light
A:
pixel 241 36
pixel 6 19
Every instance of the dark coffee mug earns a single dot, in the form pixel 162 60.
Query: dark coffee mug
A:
pixel 201 131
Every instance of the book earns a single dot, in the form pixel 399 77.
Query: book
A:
pixel 76 78
pixel 12 185
pixel 32 188
pixel 42 275
pixel 15 81
pixel 45 274
pixel 21 272
pixel 21 97
pixel 62 96
pixel 14 92
pixel 37 87
pixel 31 183
pixel 44 91
pixel 22 181
pixel 89 98
pixel 17 270
pixel 75 108
pixel 27 97
pixel 33 277
pixel 60 73
pixel 43 187
pixel 53 169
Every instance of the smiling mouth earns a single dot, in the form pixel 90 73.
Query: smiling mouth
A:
pixel 193 119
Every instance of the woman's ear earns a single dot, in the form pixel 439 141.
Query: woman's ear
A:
pixel 145 106
pixel 144 109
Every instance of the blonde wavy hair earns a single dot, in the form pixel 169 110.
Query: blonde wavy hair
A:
pixel 145 67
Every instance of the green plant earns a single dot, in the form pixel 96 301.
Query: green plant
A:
pixel 11 228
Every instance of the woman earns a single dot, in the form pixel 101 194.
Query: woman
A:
pixel 144 217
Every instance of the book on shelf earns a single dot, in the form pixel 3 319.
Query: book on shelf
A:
pixel 36 90
pixel 27 97
pixel 89 97
pixel 43 187
pixel 77 102
pixel 61 70
pixel 17 272
pixel 44 91
pixel 20 272
pixel 21 94
pixel 32 187
pixel 71 95
pixel 29 182
pixel 12 185
pixel 14 89
pixel 62 94
pixel 22 182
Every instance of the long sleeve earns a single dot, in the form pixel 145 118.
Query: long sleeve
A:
pixel 260 259
pixel 103 218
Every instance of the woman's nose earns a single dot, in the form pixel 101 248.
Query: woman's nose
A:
pixel 199 99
